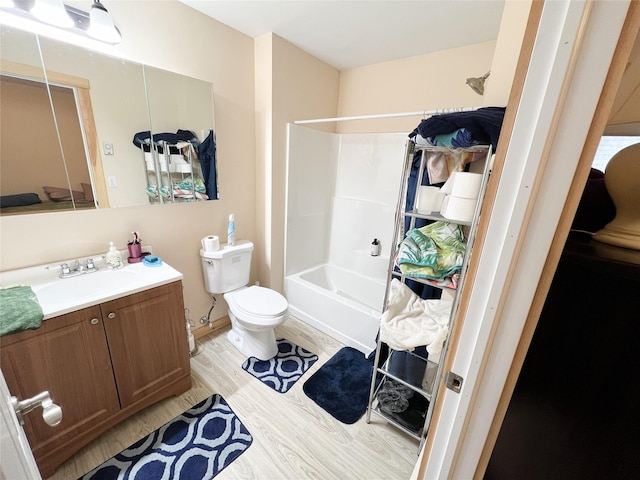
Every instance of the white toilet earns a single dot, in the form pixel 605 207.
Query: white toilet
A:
pixel 254 311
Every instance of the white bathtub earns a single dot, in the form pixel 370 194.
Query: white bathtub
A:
pixel 338 302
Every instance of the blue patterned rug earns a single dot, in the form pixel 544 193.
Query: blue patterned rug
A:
pixel 196 445
pixel 283 370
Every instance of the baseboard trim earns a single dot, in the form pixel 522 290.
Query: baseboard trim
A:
pixel 216 325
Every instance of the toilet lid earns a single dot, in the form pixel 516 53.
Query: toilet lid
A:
pixel 261 301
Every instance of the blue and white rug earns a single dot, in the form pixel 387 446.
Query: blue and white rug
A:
pixel 196 445
pixel 283 370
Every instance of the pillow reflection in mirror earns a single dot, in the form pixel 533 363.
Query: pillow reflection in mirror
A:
pixel 19 200
pixel 59 194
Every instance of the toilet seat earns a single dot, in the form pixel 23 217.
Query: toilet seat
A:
pixel 257 304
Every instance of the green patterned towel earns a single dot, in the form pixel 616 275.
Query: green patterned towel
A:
pixel 19 309
pixel 434 251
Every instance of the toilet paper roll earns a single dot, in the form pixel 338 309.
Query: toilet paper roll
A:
pixel 466 185
pixel 459 209
pixel 210 243
pixel 429 200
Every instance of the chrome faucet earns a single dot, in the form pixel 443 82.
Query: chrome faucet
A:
pixel 78 268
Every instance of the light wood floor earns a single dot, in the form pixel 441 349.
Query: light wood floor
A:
pixel 293 438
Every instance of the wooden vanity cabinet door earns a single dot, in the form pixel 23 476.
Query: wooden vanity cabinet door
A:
pixel 69 357
pixel 148 342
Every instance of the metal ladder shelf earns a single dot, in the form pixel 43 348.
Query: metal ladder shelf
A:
pixel 160 172
pixel 427 386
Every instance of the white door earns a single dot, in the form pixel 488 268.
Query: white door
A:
pixel 16 459
pixel 567 49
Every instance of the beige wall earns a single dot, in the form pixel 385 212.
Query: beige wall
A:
pixel 292 85
pixel 425 82
pixel 174 37
pixel 264 121
pixel 433 81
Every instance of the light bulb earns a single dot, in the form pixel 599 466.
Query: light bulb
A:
pixel 52 12
pixel 101 25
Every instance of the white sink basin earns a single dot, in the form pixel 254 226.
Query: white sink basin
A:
pixel 63 295
pixel 82 286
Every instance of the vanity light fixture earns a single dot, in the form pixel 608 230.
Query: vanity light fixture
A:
pixel 28 14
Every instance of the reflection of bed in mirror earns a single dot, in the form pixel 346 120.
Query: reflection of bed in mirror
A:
pixel 40 207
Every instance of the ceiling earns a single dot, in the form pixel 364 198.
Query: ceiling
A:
pixel 348 34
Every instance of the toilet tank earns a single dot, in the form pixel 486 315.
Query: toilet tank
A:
pixel 228 268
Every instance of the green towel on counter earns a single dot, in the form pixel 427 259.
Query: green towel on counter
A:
pixel 19 309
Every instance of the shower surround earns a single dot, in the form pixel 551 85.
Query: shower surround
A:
pixel 342 191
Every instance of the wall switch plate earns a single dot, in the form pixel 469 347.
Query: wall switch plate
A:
pixel 107 148
pixel 113 181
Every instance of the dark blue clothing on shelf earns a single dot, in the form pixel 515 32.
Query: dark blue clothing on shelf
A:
pixel 141 139
pixel 208 163
pixel 420 289
pixel 409 366
pixel 484 124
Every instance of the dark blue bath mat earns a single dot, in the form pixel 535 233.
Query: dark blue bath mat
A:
pixel 283 370
pixel 196 445
pixel 341 386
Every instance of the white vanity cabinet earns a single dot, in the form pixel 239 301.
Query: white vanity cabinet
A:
pixel 101 364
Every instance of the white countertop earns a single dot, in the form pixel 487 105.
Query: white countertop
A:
pixel 58 296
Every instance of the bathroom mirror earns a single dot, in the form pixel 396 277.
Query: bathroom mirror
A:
pixel 31 137
pixel 112 100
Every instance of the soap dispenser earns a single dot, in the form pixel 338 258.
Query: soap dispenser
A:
pixel 113 257
pixel 375 248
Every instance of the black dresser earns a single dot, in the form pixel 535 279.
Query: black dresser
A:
pixel 575 412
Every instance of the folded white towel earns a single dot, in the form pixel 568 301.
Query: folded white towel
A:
pixel 410 321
